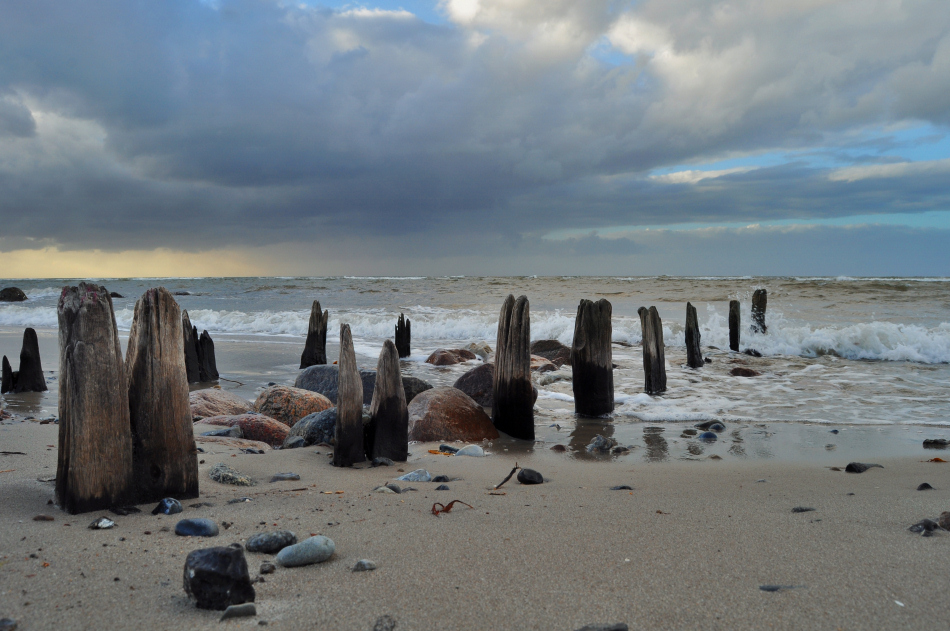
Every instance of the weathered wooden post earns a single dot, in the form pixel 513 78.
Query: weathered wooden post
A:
pixel 694 353
pixel 6 380
pixel 315 349
pixel 190 336
pixel 760 299
pixel 734 322
pixel 349 404
pixel 654 351
pixel 94 467
pixel 164 457
pixel 402 336
pixel 207 365
pixel 592 359
pixel 30 377
pixel 389 422
pixel 512 397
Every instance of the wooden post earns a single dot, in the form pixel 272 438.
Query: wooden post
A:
pixel 592 359
pixel 734 322
pixel 94 467
pixel 403 335
pixel 8 380
pixel 760 299
pixel 207 366
pixel 164 457
pixel 30 378
pixel 349 403
pixel 512 397
pixel 315 350
pixel 694 353
pixel 654 353
pixel 389 424
pixel 190 337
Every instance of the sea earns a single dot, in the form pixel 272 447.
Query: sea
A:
pixel 852 353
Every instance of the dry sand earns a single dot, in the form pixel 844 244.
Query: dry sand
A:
pixel 688 548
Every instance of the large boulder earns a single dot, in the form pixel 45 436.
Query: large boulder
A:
pixel 325 380
pixel 218 577
pixel 215 402
pixel 255 427
pixel 289 405
pixel 315 428
pixel 12 294
pixel 542 364
pixel 448 414
pixel 450 356
pixel 237 443
pixel 552 350
pixel 478 382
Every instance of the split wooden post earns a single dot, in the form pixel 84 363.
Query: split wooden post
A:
pixel 389 416
pixel 30 377
pixel 760 299
pixel 94 465
pixel 694 352
pixel 207 365
pixel 349 403
pixel 164 456
pixel 654 351
pixel 315 349
pixel 403 327
pixel 734 323
pixel 6 380
pixel 592 359
pixel 512 395
pixel 190 336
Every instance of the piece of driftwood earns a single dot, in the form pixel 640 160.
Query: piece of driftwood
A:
pixel 654 351
pixel 349 402
pixel 760 299
pixel 164 456
pixel 190 337
pixel 734 323
pixel 94 466
pixel 592 359
pixel 512 395
pixel 403 333
pixel 207 365
pixel 388 431
pixel 694 353
pixel 315 349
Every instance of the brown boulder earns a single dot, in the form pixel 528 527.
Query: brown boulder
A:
pixel 553 351
pixel 215 402
pixel 254 427
pixel 288 405
pixel 228 441
pixel 450 356
pixel 739 371
pixel 541 364
pixel 448 414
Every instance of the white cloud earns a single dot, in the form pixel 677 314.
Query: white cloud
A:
pixel 893 170
pixel 693 176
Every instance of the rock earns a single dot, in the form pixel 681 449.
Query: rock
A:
pixel 601 444
pixel 382 462
pixel 239 611
pixel 218 578
pixel 198 527
pixel 364 565
pixel 115 294
pixel 385 490
pixel 802 509
pixel 530 476
pixel 9 624
pixel 268 568
pixel 708 437
pixel 285 477
pixel 294 442
pixel 540 364
pixel 443 487
pixel 860 467
pixel 925 487
pixel 315 428
pixel 43 518
pixel 226 475
pixel 384 623
pixel 621 487
pixel 442 357
pixel 289 405
pixel 481 349
pixel 709 425
pixel 448 414
pixel 413 387
pixel 448 449
pixel 936 443
pixel 925 526
pixel 248 446
pixel 12 294
pixel 254 426
pixel 168 506
pixel 559 448
pixel 215 402
pixel 103 523
pixel 325 380
pixel 419 475
pixel 477 384
pixel 944 520
pixel 313 550
pixel 228 432
pixel 751 352
pixel 553 351
pixel 270 542
pixel 620 626
pixel 471 450
pixel 441 478
pixel 740 371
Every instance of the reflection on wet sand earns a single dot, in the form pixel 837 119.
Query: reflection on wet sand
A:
pixel 657 447
pixel 737 448
pixel 584 431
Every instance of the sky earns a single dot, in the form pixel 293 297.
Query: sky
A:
pixel 478 137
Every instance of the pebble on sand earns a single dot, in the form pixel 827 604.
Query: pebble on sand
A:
pixel 860 467
pixel 283 477
pixel 8 624
pixel 530 476
pixel 364 565
pixel 443 487
pixel 313 550
pixel 419 475
pixel 470 450
pixel 168 506
pixel 239 611
pixel 226 475
pixel 925 487
pixel 103 523
pixel 271 542
pixel 198 527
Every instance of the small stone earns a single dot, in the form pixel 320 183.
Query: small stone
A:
pixel 229 432
pixel 392 486
pixel 313 550
pixel 271 542
pixel 168 506
pixel 599 444
pixel 8 624
pixel 364 565
pixel 441 478
pixel 715 457
pixel 381 461
pixel 122 511
pixel 448 448
pixel 688 433
pixel 621 487
pixel 217 577
pixel 239 500
pixel 103 523
pixel 384 623
pixel 284 477
pixel 620 626
pixel 239 611
pixel 619 449
pixel 384 490
pixel 530 476
pixel 708 437
pixel 833 431
pixel 944 520
pixel 936 443
pixel 294 442
pixel 471 450
pixel 715 426
pixel 199 527
pixel 762 480
pixel 201 505
pixel 559 448
pixel 419 475
pixel 268 568
pixel 925 487
pixel 802 509
pixel 43 518
pixel 226 475
pixel 860 467
pixel 924 525
pixel 443 487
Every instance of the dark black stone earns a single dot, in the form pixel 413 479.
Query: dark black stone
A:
pixel 925 487
pixel 271 542
pixel 207 366
pixel 294 442
pixel 442 487
pixel 124 510
pixel 199 527
pixel 530 476
pixel 860 467
pixel 385 623
pixel 218 577
pixel 231 432
pixel 115 294
pixel 707 425
pixel 284 477
pixel 620 626
pixel 441 478
pixel 802 509
pixel 382 462
pixel 621 487
pixel 834 431
pixel 325 379
pixel 708 437
pixel 168 506
pixel 477 383
pixel 751 352
pixel 8 624
pixel 316 428
pixel 925 525
pixel 936 443
pixel 12 294
pixel 448 448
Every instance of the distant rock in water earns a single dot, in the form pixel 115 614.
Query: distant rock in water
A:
pixel 553 351
pixel 450 356
pixel 12 294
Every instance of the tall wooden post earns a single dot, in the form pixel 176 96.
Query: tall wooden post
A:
pixel 654 351
pixel 349 403
pixel 694 353
pixel 760 299
pixel 592 359
pixel 402 336
pixel 315 349
pixel 7 380
pixel 164 457
pixel 190 337
pixel 734 323
pixel 30 377
pixel 512 395
pixel 94 465
pixel 207 365
pixel 389 424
